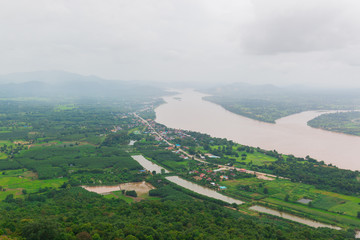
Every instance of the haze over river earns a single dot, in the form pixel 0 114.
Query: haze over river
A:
pixel 290 135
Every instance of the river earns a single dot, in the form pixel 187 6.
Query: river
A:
pixel 290 135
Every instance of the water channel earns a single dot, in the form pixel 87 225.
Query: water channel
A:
pixel 214 194
pixel 290 135
pixel 291 217
pixel 202 190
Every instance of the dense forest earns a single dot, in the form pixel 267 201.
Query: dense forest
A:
pixel 77 214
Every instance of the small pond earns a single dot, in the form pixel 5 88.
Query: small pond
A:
pixel 304 201
pixel 202 190
pixel 148 165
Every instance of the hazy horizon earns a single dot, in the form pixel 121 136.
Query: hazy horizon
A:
pixel 309 43
pixel 60 76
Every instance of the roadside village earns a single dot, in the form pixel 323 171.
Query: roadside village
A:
pixel 201 169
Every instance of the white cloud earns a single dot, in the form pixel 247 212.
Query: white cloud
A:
pixel 301 26
pixel 278 41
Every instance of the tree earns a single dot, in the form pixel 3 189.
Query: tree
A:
pixel 83 236
pixel 131 237
pixel 9 198
pixel 286 199
pixel 40 230
pixel 131 193
pixel 266 191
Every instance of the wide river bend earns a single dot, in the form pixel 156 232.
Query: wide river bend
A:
pixel 290 135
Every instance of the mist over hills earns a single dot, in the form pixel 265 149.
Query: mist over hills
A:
pixel 269 91
pixel 57 84
pixel 268 102
pixel 61 84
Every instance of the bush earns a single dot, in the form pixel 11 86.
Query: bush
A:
pixel 131 193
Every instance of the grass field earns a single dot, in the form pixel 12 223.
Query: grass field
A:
pixel 64 107
pixel 2 142
pixel 14 181
pixel 174 165
pixel 325 205
pixel 317 214
pixel 256 158
pixel 119 195
pixel 3 156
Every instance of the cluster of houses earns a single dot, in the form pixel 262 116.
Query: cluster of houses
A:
pixel 129 123
pixel 216 176
pixel 116 129
pixel 166 133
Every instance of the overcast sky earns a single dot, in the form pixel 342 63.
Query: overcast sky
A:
pixel 257 41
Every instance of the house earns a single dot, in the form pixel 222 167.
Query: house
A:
pixel 222 177
pixel 222 187
pixel 202 175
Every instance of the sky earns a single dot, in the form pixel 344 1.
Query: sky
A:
pixel 282 42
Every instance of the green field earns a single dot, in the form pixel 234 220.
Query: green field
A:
pixel 119 195
pixel 254 158
pixel 325 206
pixel 64 107
pixel 316 214
pixel 3 156
pixel 14 181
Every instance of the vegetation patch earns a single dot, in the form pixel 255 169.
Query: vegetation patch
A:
pixel 343 122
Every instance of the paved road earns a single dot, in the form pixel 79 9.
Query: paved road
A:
pixel 259 175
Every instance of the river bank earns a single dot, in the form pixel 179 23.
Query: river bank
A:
pixel 290 135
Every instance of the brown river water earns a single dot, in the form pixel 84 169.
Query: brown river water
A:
pixel 290 135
